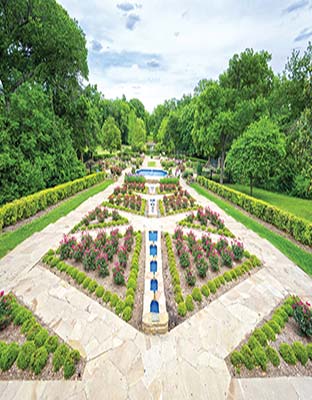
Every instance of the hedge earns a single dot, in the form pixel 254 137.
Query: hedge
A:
pixel 25 207
pixel 298 228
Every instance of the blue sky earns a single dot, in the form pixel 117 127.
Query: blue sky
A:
pixel 155 49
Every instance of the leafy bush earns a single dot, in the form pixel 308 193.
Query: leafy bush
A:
pixel 260 357
pixel 309 350
pixel 114 299
pixel 253 342
pixel 24 356
pixel 300 352
pixel 189 303
pixel 41 337
pixel 86 282
pixel 22 316
pixel 247 357
pixel 205 290
pixel 120 307
pixel 39 360
pixel 275 326
pixel 9 353
pixel 59 356
pixel 92 286
pixel 33 330
pixel 272 355
pixel 236 358
pixel 51 344
pixel 268 331
pixel 196 294
pixel 212 286
pixel 260 336
pixel 99 291
pixel 287 353
pixel 303 317
pixel 182 310
pixel 127 314
pixel 107 296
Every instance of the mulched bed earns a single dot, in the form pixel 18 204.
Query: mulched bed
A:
pixel 108 284
pixel 174 318
pixel 289 334
pixel 12 333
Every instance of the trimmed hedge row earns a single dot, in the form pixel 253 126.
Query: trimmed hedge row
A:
pixel 25 207
pixel 130 210
pixel 123 308
pixel 101 225
pixel 298 228
pixel 223 232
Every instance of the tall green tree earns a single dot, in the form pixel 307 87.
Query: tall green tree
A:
pixel 138 137
pixel 256 154
pixel 111 135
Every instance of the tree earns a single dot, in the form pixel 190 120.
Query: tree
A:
pixel 111 135
pixel 256 154
pixel 132 122
pixel 41 43
pixel 138 137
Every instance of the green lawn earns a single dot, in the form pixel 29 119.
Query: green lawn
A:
pixel 151 164
pixel 300 207
pixel 293 252
pixel 9 240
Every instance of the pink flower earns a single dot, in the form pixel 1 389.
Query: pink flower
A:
pixel 2 293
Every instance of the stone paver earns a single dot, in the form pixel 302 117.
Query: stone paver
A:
pixel 123 363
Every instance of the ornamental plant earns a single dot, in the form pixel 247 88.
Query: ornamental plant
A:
pixel 118 275
pixel 237 249
pixel 190 277
pixel 66 246
pixel 214 261
pixel 185 259
pixel 122 257
pixel 221 244
pixel 303 317
pixel 227 257
pixel 5 310
pixel 202 266
pixel 89 259
pixel 101 263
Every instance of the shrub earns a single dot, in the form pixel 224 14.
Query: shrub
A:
pixel 309 350
pixel 253 342
pixel 39 360
pixel 288 309
pixel 9 354
pixel 247 357
pixel 99 291
pixel 22 316
pixel 303 317
pixel 41 337
pixel 275 326
pixel 272 355
pixel 205 290
pixel 196 294
pixel 127 314
pixel 119 307
pixel 32 332
pixel 51 344
pixel 260 357
pixel 236 358
pixel 25 353
pixel 300 352
pixel 81 276
pixel 92 286
pixel 260 336
pixel 278 320
pixel 182 310
pixel 107 296
pixel 212 287
pixel 287 353
pixel 69 367
pixel 59 356
pixel 227 276
pixel 131 284
pixel 86 282
pixel 268 331
pixel 113 300
pixel 189 303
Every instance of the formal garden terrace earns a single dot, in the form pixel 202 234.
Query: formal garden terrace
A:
pixel 118 292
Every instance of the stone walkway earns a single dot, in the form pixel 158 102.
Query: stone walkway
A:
pixel 123 363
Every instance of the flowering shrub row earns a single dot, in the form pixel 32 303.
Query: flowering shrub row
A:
pixel 259 350
pixel 180 200
pixel 27 206
pixel 122 307
pixel 299 228
pixel 130 187
pixel 39 347
pixel 100 218
pixel 128 202
pixel 168 187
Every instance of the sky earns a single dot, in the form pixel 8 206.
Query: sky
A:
pixel 156 50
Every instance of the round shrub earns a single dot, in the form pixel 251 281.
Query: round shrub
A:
pixel 75 355
pixel 189 303
pixel 260 336
pixel 227 276
pixel 236 358
pixel 287 353
pixel 282 313
pixel 205 290
pixel 92 286
pixel 253 342
pixel 119 307
pixel 196 294
pixel 212 287
pixel 288 309
pixel 182 309
pixel 247 357
pixel 41 337
pixel 217 283
pixel 300 352
pixel 268 331
pixel 27 325
pixel 107 296
pixel 129 301
pixel 25 353
pixel 69 367
pixel 272 355
pixel 260 357
pixel 113 300
pixel 127 314
pixel 131 284
pixel 51 343
pixel 81 276
pixel 32 332
pixel 130 292
pixel 59 356
pixel 99 291
pixel 22 316
pixel 178 298
pixel 9 354
pixel 86 282
pixel 275 326
pixel 309 350
pixel 233 274
pixel 39 360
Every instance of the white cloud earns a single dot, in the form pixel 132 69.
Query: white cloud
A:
pixel 159 63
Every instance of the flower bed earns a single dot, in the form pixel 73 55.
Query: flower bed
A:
pixel 105 268
pixel 207 220
pixel 35 353
pixel 280 346
pixel 164 188
pixel 127 202
pixel 99 218
pixel 201 270
pixel 180 201
pixel 131 187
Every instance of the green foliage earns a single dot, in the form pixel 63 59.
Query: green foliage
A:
pixel 309 350
pixel 253 342
pixel 301 352
pixel 59 356
pixel 196 294
pixel 9 354
pixel 92 286
pixel 236 358
pixel 127 314
pixel 24 356
pixel 41 337
pixel 189 303
pixel 111 135
pixel 269 333
pixel 260 336
pixel 99 291
pixel 22 316
pixel 51 344
pixel 205 290
pixel 39 360
pixel 182 310
pixel 287 353
pixel 260 357
pixel 212 286
pixel 247 357
pixel 272 355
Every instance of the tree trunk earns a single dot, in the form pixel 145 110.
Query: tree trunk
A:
pixel 222 165
pixel 251 185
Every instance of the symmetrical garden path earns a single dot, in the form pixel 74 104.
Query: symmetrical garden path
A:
pixel 123 363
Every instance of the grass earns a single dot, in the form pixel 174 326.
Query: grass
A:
pixel 9 240
pixel 151 164
pixel 299 207
pixel 300 257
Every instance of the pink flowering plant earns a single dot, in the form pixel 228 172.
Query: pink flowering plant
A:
pixel 303 317
pixel 190 277
pixel 227 257
pixel 238 250
pixel 66 246
pixel 185 259
pixel 5 310
pixel 118 274
pixel 214 261
pixel 101 263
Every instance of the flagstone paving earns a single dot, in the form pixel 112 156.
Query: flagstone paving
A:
pixel 123 363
